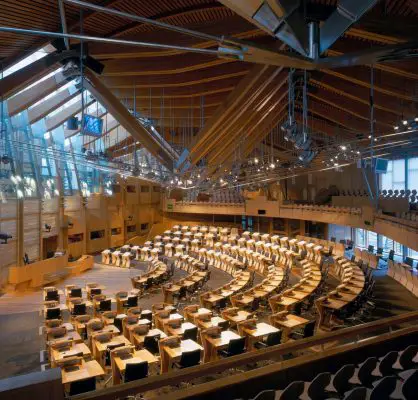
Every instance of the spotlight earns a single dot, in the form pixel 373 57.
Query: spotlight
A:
pixel 272 166
pixel 396 127
pixel 405 122
pixel 343 148
pixel 255 160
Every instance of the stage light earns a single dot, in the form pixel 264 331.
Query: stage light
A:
pixel 396 127
pixel 255 160
pixel 405 122
pixel 343 148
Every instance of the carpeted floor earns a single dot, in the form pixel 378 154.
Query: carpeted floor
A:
pixel 20 319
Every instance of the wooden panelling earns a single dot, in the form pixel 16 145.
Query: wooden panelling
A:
pixel 96 245
pixel 75 249
pixel 31 222
pixel 8 210
pixel 94 202
pixel 51 220
pixel 9 226
pixel 78 224
pixel 8 254
pixel 50 205
pixel 96 221
pixel 31 206
pixel 73 203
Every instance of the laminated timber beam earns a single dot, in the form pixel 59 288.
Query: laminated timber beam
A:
pixel 383 119
pixel 157 147
pixel 43 109
pixel 30 96
pixel 337 116
pixel 389 85
pixel 26 76
pixel 387 103
pixel 317 124
pixel 236 104
pixel 246 128
pixel 270 119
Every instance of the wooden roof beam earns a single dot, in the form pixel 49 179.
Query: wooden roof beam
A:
pixel 338 117
pixel 384 102
pixel 156 146
pixel 51 104
pixel 244 93
pixel 19 80
pixel 247 129
pixel 386 85
pixel 355 109
pixel 30 96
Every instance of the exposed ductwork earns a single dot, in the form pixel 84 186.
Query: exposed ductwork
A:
pixel 347 13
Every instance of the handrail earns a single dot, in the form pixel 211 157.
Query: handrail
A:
pixel 251 376
pixel 174 377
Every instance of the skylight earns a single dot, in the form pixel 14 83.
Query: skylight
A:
pixel 37 55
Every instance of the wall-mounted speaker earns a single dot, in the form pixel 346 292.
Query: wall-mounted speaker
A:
pixel 72 123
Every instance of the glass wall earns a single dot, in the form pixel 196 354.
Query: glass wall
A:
pixel 401 174
pixel 364 239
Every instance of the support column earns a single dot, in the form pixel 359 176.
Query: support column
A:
pixel 20 251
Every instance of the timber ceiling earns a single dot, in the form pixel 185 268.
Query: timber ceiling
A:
pixel 182 90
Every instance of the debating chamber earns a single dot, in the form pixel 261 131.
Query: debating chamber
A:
pixel 209 199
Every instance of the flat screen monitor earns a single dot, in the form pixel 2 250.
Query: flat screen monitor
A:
pixel 92 125
pixel 381 165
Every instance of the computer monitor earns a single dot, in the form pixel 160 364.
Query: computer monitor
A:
pixel 92 125
pixel 381 165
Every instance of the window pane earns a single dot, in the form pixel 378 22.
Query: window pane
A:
pixel 413 253
pixel 399 174
pixel 398 249
pixel 360 238
pixel 412 173
pixel 372 239
pixel 387 178
pixel 387 244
